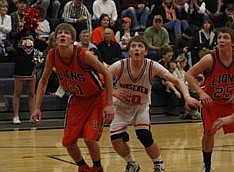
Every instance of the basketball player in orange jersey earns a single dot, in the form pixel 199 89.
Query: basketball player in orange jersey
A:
pixel 134 81
pixel 78 71
pixel 217 97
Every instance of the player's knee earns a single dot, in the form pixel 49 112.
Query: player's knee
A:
pixel 124 136
pixel 145 137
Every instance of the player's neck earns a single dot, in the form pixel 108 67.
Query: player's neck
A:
pixel 66 51
pixel 137 63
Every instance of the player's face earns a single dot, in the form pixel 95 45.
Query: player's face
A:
pixel 224 40
pixel 64 38
pixel 137 50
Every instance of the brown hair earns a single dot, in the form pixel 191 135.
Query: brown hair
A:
pixel 138 38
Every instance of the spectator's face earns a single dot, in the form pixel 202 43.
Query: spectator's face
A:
pixel 105 22
pixel 157 24
pixel 206 25
pixel 230 13
pixel 78 2
pixel 20 26
pixel 21 5
pixel 3 9
pixel 108 34
pixel 85 38
pixel 167 57
pixel 125 25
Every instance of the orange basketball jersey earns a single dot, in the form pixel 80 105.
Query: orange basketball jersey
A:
pixel 220 81
pixel 74 75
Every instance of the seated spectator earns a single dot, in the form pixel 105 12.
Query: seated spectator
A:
pixel 195 10
pixel 229 15
pixel 162 87
pixel 110 50
pixel 206 37
pixel 214 12
pixel 184 44
pixel 85 40
pixel 171 18
pixel 53 13
pixel 43 30
pixel 105 7
pixel 42 3
pixel 76 13
pixel 157 36
pixel 124 34
pixel 16 17
pixel 138 11
pixel 97 35
pixel 5 27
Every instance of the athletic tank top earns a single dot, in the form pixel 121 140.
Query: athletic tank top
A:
pixel 219 83
pixel 139 86
pixel 74 76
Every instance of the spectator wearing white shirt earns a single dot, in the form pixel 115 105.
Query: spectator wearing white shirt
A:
pixel 5 24
pixel 76 13
pixel 105 7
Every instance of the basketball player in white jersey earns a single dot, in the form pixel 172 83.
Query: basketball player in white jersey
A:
pixel 134 81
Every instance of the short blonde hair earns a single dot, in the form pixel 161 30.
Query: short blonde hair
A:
pixel 4 3
pixel 67 27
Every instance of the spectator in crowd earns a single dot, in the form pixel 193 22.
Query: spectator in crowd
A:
pixel 42 3
pixel 171 18
pixel 160 86
pixel 156 9
pixel 184 44
pixel 12 6
pixel 53 13
pixel 105 7
pixel 5 26
pixel 195 10
pixel 138 11
pixel 157 36
pixel 16 17
pixel 229 15
pixel 43 30
pixel 76 13
pixel 85 40
pixel 124 35
pixel 97 35
pixel 213 11
pixel 110 50
pixel 206 37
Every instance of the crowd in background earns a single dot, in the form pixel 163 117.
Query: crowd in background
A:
pixel 177 31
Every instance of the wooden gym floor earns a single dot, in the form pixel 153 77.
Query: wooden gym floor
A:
pixel 180 146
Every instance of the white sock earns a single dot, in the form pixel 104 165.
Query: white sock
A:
pixel 129 158
pixel 159 158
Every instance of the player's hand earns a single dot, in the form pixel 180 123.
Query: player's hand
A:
pixel 109 114
pixel 122 94
pixel 206 100
pixel 36 116
pixel 191 102
pixel 217 125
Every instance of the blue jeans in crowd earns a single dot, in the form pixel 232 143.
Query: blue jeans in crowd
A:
pixel 134 14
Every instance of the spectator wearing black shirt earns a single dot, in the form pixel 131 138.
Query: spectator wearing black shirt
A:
pixel 110 50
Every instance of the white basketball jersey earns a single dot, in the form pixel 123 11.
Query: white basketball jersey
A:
pixel 138 82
